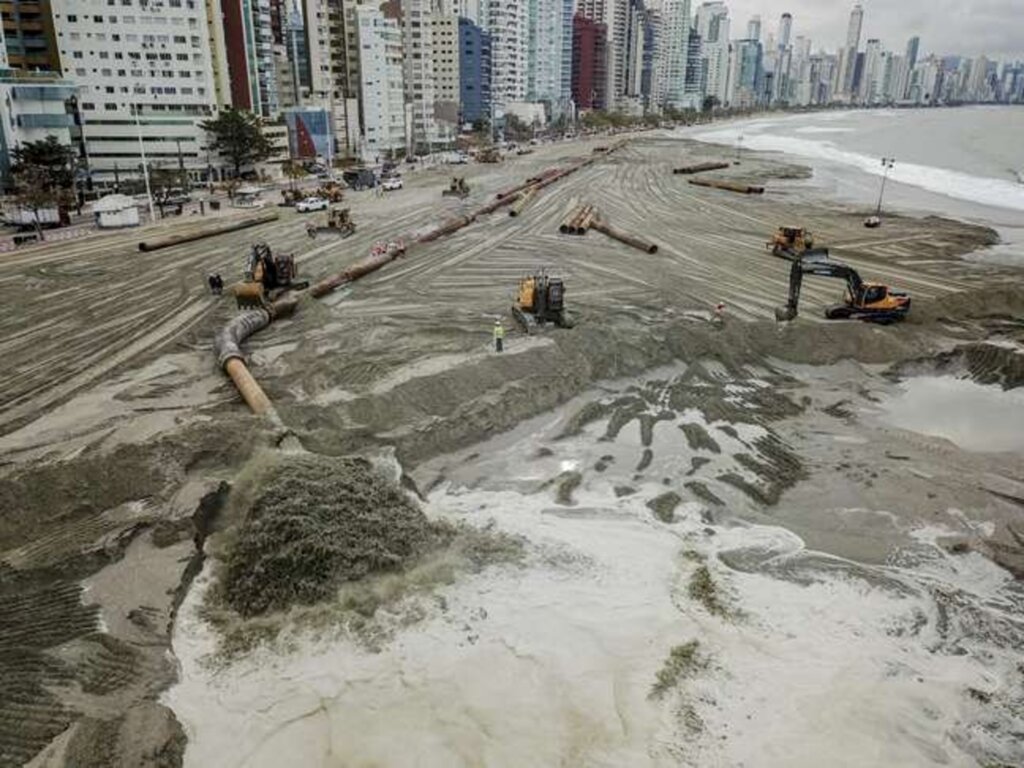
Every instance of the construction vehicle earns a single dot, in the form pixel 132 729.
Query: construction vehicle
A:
pixel 266 277
pixel 873 302
pixel 489 155
pixel 539 300
pixel 458 188
pixel 793 243
pixel 291 196
pixel 339 221
pixel 360 178
pixel 331 192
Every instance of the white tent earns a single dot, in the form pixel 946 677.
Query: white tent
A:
pixel 114 211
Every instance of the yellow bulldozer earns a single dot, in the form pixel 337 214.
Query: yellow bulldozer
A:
pixel 793 243
pixel 339 221
pixel 489 155
pixel 332 192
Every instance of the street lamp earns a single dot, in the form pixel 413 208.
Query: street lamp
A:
pixel 876 219
pixel 145 169
pixel 887 164
pixel 739 147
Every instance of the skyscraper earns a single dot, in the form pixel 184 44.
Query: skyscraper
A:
pixel 506 21
pixel 754 28
pixel 673 51
pixel 27 38
pixel 546 43
pixel 589 59
pixel 850 51
pixel 713 28
pixel 912 47
pixel 474 72
pixel 380 83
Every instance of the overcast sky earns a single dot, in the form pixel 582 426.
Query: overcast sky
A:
pixel 969 27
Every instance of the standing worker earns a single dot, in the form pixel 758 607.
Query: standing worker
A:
pixel 499 336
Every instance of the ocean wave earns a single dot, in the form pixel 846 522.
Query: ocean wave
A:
pixel 821 129
pixel 999 193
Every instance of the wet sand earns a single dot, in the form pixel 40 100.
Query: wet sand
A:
pixel 118 433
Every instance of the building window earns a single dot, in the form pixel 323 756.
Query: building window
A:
pixel 110 107
pixel 98 19
pixel 76 55
pixel 72 18
pixel 88 105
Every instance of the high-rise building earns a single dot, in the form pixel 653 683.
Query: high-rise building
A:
pixel 249 47
pixel 382 94
pixel 474 72
pixel 635 40
pixel 445 34
pixel 140 70
pixel 913 44
pixel 35 106
pixel 849 60
pixel 745 73
pixel 27 38
pixel 783 60
pixel 650 86
pixel 330 87
pixel 712 24
pixel 506 21
pixel 3 49
pixel 418 44
pixel 547 39
pixel 872 77
pixel 589 59
pixel 673 52
pixel 754 28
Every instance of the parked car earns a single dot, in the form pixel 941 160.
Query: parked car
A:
pixel 311 204
pixel 459 158
pixel 360 178
pixel 392 183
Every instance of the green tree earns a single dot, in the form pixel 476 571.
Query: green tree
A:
pixel 516 129
pixel 710 102
pixel 239 137
pixel 54 161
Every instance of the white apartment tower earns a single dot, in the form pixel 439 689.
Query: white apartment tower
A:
pixel 506 21
pixel 546 37
pixel 871 79
pixel 713 28
pixel 140 69
pixel 380 83
pixel 671 63
pixel 418 42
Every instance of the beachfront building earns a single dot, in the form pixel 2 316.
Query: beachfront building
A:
pixel 848 62
pixel 712 23
pixel 35 105
pixel 145 82
pixel 474 72
pixel 506 22
pixel 27 38
pixel 381 88
pixel 549 40
pixel 672 58
pixel 589 59
pixel 447 73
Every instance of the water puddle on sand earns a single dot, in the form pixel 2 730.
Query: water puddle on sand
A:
pixel 976 417
pixel 801 659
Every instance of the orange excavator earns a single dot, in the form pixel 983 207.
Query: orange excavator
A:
pixel 873 302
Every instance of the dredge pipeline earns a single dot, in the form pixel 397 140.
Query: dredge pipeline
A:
pixel 522 201
pixel 731 186
pixel 623 237
pixel 227 343
pixel 700 167
pixel 167 242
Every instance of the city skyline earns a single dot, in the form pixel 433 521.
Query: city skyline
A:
pixel 946 27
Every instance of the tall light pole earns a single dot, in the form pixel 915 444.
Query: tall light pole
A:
pixel 145 169
pixel 887 163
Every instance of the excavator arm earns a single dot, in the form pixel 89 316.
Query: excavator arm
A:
pixel 823 268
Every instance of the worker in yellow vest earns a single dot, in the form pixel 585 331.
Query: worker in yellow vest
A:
pixel 499 336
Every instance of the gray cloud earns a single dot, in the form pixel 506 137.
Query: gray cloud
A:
pixel 968 27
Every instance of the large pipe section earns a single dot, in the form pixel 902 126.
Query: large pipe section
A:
pixel 699 167
pixel 167 242
pixel 363 267
pixel 227 345
pixel 623 237
pixel 731 186
pixel 522 201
